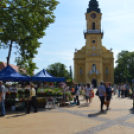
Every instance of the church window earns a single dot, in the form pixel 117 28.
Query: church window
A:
pixel 106 70
pixel 94 48
pixel 93 26
pixel 93 41
pixel 80 71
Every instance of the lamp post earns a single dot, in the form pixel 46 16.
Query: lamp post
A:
pixel 126 73
pixel 70 72
pixel 121 76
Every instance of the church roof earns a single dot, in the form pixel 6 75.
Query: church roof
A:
pixel 93 6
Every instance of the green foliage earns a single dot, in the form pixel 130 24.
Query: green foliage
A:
pixel 121 72
pixel 58 70
pixel 22 24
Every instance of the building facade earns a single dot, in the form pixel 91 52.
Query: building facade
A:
pixel 93 63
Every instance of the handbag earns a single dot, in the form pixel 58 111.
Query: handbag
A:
pixel 97 93
pixel 106 103
pixel 91 94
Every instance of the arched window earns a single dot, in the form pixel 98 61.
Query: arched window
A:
pixel 80 71
pixel 93 26
pixel 106 70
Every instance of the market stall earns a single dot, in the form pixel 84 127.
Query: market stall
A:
pixel 9 74
pixel 44 76
pixel 50 95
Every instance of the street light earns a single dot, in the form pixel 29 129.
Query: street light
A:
pixel 118 79
pixel 126 72
pixel 121 76
pixel 70 72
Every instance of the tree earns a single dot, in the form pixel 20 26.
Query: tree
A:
pixel 22 23
pixel 121 71
pixel 26 68
pixel 58 70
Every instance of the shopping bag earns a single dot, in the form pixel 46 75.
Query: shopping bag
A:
pixel 97 93
pixel 91 94
pixel 106 103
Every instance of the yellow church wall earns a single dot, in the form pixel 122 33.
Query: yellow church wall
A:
pixel 88 55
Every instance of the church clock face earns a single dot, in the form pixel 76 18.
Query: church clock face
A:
pixel 93 15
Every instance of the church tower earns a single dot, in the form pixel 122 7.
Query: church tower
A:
pixel 93 63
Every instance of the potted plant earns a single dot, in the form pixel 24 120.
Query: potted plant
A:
pixel 8 95
pixel 48 92
pixel 13 94
pixel 73 91
pixel 20 93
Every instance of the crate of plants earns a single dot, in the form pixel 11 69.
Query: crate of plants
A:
pixel 48 92
pixel 67 95
pixel 73 91
pixel 41 103
pixel 8 95
pixel 20 93
pixel 41 94
pixel 58 92
pixel 13 95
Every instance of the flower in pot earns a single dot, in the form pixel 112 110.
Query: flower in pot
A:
pixel 8 94
pixel 20 93
pixel 13 95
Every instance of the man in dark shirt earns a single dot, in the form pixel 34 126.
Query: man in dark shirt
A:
pixel 2 103
pixel 109 94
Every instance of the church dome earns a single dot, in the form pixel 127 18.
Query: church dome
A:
pixel 93 6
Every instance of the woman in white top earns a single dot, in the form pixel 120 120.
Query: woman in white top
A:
pixel 88 91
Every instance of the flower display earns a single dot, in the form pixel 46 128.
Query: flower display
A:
pixel 13 94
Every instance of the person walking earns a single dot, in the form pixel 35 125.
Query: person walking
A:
pixel 114 86
pixel 88 91
pixel 126 89
pixel 2 99
pixel 77 93
pixel 101 94
pixel 109 94
pixel 119 89
pixel 33 100
pixel 122 91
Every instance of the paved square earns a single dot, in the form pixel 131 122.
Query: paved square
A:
pixel 74 119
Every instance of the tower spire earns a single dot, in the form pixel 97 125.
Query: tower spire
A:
pixel 93 6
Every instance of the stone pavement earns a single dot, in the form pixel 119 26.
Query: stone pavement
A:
pixel 74 119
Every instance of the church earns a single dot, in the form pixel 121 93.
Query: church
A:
pixel 93 63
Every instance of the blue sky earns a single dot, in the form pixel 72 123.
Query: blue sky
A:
pixel 66 34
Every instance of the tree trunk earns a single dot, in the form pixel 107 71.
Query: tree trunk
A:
pixel 9 53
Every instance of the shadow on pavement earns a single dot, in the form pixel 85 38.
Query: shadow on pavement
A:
pixel 97 114
pixel 132 110
pixel 22 112
pixel 83 105
pixel 14 116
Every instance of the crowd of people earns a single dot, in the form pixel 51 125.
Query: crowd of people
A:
pixel 104 92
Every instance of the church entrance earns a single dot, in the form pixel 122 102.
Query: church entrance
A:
pixel 94 82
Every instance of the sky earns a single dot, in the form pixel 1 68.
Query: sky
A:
pixel 66 33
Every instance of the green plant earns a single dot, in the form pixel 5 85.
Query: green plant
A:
pixel 20 92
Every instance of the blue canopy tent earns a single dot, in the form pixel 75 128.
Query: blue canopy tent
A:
pixel 44 76
pixel 9 74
